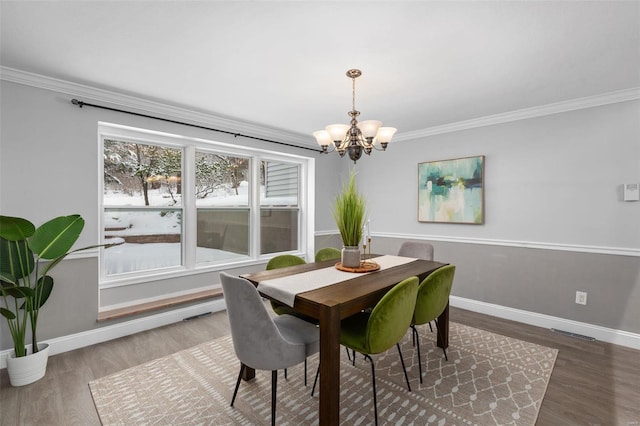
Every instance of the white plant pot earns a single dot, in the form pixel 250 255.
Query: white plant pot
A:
pixel 350 256
pixel 28 369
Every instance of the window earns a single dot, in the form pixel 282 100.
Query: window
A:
pixel 222 203
pixel 278 207
pixel 180 204
pixel 142 199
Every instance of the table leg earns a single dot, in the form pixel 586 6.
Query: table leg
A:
pixel 248 373
pixel 443 326
pixel 329 410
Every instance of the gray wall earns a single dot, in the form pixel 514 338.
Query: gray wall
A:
pixel 553 183
pixel 48 167
pixel 552 180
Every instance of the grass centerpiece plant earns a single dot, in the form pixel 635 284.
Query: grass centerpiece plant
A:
pixel 27 256
pixel 349 212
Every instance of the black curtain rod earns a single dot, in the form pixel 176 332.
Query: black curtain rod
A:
pixel 80 104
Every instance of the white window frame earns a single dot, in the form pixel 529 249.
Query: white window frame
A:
pixel 306 201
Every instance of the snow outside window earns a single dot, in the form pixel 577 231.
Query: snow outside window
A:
pixel 178 204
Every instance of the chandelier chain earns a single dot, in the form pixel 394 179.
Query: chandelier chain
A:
pixel 353 93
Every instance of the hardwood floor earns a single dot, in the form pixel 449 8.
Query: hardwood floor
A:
pixel 593 383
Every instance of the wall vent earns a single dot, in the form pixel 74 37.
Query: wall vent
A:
pixel 576 335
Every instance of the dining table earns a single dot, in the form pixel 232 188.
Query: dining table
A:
pixel 331 303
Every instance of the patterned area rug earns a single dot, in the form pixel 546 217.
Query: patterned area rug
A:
pixel 488 380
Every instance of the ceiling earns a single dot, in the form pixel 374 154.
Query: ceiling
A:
pixel 282 64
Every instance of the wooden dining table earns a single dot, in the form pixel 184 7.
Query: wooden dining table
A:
pixel 330 304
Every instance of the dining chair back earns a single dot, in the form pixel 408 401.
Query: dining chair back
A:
pixel 417 249
pixel 433 297
pixel 283 261
pixel 374 332
pixel 328 253
pixel 260 341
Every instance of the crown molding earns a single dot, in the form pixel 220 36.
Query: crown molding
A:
pixel 138 104
pixel 523 114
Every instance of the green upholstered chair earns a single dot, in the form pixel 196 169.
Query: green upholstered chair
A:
pixel 433 296
pixel 283 261
pixel 374 332
pixel 328 253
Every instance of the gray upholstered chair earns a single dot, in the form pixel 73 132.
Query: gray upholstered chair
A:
pixel 417 249
pixel 260 341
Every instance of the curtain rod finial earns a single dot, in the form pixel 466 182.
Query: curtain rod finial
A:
pixel 77 102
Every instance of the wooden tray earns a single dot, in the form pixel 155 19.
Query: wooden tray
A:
pixel 365 266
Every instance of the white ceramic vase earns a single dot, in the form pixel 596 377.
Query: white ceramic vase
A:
pixel 28 369
pixel 350 256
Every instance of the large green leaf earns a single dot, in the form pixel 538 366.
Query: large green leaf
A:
pixel 7 314
pixel 43 289
pixel 55 237
pixel 16 258
pixel 15 228
pixel 20 292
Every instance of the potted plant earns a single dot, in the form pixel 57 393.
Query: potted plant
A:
pixel 27 256
pixel 349 211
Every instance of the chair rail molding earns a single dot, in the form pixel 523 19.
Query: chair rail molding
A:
pixel 616 251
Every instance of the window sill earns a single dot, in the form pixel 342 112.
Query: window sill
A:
pixel 142 308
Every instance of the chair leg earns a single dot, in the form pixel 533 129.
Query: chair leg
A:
pixel 440 335
pixel 348 353
pixel 274 386
pixel 416 338
pixel 235 391
pixel 430 328
pixel 305 372
pixel 353 355
pixel 285 374
pixel 373 381
pixel 403 367
pixel 315 381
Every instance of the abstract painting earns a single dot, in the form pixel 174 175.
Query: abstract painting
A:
pixel 451 191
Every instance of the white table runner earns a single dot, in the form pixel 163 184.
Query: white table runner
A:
pixel 285 289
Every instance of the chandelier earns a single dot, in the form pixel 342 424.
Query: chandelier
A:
pixel 357 137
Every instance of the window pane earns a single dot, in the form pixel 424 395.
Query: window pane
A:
pixel 223 234
pixel 221 180
pixel 278 225
pixel 151 239
pixel 279 184
pixel 141 175
pixel 278 230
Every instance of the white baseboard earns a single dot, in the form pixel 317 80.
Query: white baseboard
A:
pixel 103 334
pixel 110 332
pixel 610 335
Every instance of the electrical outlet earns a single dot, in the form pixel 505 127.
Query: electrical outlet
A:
pixel 581 297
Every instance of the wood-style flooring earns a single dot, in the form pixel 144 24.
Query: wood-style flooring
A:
pixel 593 383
